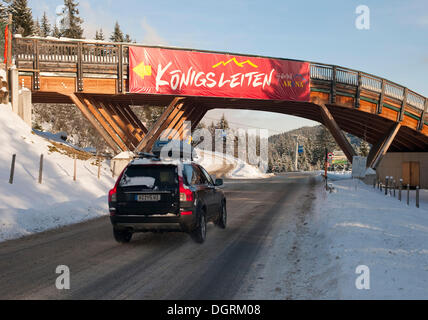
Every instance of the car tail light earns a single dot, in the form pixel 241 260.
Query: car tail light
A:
pixel 185 193
pixel 186 213
pixel 112 194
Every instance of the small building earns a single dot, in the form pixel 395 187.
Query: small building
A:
pixel 119 162
pixel 412 167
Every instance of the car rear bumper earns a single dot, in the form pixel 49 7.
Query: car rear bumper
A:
pixel 159 223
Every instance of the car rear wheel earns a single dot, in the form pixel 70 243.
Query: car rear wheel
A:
pixel 199 234
pixel 222 218
pixel 122 236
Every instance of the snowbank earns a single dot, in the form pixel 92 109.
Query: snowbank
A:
pixel 26 206
pixel 228 166
pixel 362 226
pixel 59 137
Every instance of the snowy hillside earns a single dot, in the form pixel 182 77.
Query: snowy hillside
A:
pixel 227 166
pixel 27 206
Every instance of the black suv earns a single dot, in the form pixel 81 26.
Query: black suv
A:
pixel 153 195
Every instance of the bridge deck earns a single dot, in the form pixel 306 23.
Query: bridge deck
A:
pixel 362 104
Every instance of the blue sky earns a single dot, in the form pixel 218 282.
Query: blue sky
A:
pixel 395 46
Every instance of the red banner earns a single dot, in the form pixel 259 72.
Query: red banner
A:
pixel 180 72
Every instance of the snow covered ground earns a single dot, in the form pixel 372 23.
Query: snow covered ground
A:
pixel 361 226
pixel 26 206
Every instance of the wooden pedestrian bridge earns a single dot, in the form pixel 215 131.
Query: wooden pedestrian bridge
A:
pixel 96 76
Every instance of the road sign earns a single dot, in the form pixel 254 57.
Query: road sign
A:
pixel 300 149
pixel 330 155
pixel 339 158
pixel 340 162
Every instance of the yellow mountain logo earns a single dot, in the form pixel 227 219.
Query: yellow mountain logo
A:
pixel 239 64
pixel 142 70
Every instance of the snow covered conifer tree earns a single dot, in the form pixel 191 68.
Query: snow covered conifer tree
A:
pixel 71 23
pixel 56 32
pixel 117 35
pixel 99 35
pixel 4 11
pixel 22 17
pixel 36 28
pixel 45 28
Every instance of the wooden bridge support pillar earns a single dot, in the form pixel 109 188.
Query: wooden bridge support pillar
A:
pixel 336 132
pixel 381 147
pixel 181 130
pixel 161 124
pixel 134 119
pixel 197 117
pixel 123 131
pixel 104 132
pixel 124 119
pixel 173 126
pixel 173 123
pixel 117 124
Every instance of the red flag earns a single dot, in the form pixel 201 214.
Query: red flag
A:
pixel 6 37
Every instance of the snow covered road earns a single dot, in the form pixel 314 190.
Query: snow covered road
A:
pixel 286 239
pixel 258 256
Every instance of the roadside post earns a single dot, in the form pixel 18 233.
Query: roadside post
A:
pixel 408 194
pixel 12 169
pixel 41 169
pixel 386 185
pixel 325 168
pixel 417 196
pixel 400 187
pixel 99 166
pixel 75 167
pixel 395 186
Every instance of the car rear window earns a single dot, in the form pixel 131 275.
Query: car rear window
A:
pixel 150 177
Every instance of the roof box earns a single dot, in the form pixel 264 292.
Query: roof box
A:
pixel 173 149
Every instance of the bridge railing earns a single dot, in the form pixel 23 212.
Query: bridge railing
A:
pixel 31 49
pixel 370 82
pixel 80 52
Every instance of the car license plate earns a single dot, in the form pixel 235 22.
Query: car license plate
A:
pixel 148 197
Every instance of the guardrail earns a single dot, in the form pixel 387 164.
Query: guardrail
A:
pixel 38 50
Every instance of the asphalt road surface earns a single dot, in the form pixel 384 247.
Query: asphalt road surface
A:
pixel 256 257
